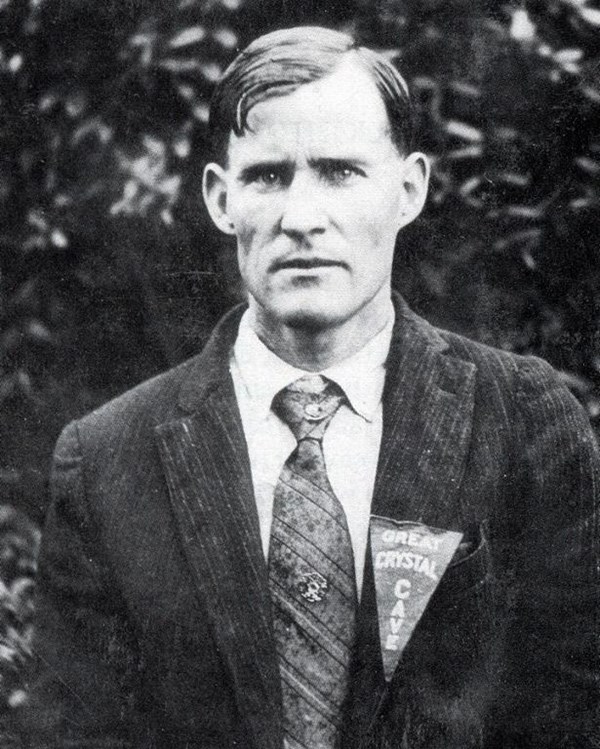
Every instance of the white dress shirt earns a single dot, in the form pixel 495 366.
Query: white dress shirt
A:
pixel 352 440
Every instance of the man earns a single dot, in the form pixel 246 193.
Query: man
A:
pixel 209 574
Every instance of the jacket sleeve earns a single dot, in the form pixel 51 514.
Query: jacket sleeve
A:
pixel 554 555
pixel 81 691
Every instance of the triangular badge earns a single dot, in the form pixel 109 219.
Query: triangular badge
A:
pixel 409 560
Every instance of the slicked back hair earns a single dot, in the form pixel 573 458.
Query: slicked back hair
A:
pixel 280 62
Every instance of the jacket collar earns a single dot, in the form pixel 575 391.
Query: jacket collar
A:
pixel 210 369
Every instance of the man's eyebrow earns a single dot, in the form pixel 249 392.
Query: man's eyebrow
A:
pixel 354 159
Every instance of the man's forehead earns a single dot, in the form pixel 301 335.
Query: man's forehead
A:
pixel 333 141
pixel 344 108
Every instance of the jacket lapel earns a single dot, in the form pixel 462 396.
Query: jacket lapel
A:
pixel 206 465
pixel 428 409
pixel 427 417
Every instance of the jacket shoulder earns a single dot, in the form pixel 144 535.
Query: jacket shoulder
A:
pixel 147 404
pixel 489 361
pixel 498 363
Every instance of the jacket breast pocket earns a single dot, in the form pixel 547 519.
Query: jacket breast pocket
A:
pixel 455 648
pixel 451 662
pixel 461 619
pixel 467 572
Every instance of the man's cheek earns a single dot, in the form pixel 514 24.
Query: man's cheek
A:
pixel 245 234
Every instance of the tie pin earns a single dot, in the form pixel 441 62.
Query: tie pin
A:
pixel 313 587
pixel 313 411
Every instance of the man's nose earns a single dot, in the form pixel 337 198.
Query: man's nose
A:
pixel 303 211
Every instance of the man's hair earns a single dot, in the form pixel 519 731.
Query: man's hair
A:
pixel 280 62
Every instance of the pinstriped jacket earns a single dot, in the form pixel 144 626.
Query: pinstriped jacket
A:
pixel 154 627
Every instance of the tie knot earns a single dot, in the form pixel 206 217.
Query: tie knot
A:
pixel 308 405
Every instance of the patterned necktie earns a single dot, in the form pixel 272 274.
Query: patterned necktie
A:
pixel 311 573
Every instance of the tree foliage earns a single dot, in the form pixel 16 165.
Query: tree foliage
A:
pixel 109 270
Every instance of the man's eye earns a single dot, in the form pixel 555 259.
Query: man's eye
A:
pixel 340 174
pixel 267 178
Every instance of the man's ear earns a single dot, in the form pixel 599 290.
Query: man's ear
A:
pixel 415 181
pixel 214 192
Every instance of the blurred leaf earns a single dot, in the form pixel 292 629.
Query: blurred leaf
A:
pixel 226 38
pixel 23 383
pixel 182 147
pixel 26 293
pixel 528 237
pixel 191 35
pixel 569 55
pixel 521 27
pixel 589 166
pixel 201 112
pixel 15 63
pixel 524 211
pixel 211 71
pixel 514 178
pixel 578 204
pixel 7 387
pixel 93 127
pixel 464 131
pixel 470 152
pixel 186 91
pixel 591 15
pixel 465 89
pixel 59 238
pixel 468 190
pixel 38 331
pixel 592 93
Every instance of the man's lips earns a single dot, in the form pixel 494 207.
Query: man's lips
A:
pixel 303 263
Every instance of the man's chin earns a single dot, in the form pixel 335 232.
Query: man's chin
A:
pixel 311 321
pixel 307 317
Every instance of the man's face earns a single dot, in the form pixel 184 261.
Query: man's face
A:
pixel 315 192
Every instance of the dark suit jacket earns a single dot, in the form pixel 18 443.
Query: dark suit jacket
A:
pixel 154 624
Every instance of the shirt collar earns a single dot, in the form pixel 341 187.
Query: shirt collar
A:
pixel 263 374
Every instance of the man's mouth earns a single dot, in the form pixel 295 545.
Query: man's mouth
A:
pixel 303 263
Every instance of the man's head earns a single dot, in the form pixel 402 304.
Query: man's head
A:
pixel 314 175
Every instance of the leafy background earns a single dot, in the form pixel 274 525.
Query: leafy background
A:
pixel 110 272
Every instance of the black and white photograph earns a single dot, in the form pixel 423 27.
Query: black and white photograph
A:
pixel 300 374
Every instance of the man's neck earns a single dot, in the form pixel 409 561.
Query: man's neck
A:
pixel 315 349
